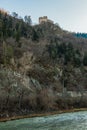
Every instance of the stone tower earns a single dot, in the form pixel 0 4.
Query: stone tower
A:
pixel 44 19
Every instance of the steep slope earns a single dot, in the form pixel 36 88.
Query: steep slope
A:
pixel 42 68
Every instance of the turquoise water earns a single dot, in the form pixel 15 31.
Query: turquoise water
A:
pixel 67 121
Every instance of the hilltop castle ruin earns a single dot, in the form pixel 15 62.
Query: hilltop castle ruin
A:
pixel 4 11
pixel 44 19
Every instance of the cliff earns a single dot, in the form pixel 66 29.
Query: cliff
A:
pixel 42 68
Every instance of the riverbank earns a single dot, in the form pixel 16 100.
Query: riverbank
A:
pixel 41 114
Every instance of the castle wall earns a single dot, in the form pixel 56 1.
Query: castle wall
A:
pixel 44 19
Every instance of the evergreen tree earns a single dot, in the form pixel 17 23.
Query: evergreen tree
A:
pixel 85 59
pixel 28 20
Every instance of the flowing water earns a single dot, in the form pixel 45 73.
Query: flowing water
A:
pixel 66 121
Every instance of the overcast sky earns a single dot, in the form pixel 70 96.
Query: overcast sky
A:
pixel 71 15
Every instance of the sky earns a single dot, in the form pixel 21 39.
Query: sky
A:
pixel 71 15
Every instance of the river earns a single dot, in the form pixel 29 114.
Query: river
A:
pixel 66 121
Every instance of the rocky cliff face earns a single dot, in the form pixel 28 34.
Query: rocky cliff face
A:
pixel 37 84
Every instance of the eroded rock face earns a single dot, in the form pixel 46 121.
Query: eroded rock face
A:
pixel 25 62
pixel 10 79
pixel 32 82
pixel 27 58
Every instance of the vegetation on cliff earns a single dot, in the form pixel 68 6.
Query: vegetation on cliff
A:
pixel 40 67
